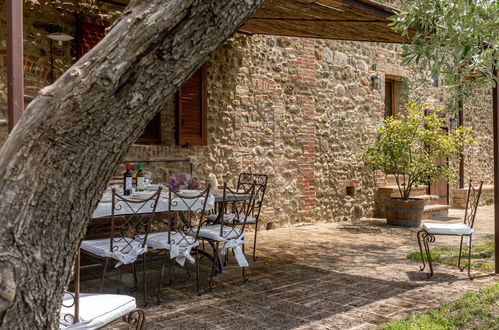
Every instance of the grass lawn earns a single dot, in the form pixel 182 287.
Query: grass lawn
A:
pixel 482 255
pixel 471 311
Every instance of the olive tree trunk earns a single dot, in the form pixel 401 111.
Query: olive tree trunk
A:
pixel 55 164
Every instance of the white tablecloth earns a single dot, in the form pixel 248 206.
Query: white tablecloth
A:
pixel 104 208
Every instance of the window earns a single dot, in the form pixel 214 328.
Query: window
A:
pixel 191 114
pixel 89 32
pixel 389 98
pixel 152 132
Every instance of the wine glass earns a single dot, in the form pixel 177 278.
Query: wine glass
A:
pixel 147 179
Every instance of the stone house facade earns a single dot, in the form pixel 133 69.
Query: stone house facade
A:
pixel 300 110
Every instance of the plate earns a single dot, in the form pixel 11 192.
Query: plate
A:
pixel 142 195
pixel 189 193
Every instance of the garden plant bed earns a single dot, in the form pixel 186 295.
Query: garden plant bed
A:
pixel 473 310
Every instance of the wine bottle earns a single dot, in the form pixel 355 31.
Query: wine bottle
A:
pixel 127 181
pixel 140 179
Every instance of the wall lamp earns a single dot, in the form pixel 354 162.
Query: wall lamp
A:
pixel 453 122
pixel 376 80
pixel 55 33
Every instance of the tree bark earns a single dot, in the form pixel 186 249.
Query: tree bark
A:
pixel 56 162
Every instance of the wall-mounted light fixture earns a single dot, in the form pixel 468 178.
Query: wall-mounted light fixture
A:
pixel 376 80
pixel 434 80
pixel 55 33
pixel 453 122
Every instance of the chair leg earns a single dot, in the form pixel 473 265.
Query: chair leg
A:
pixel 136 317
pixel 421 232
pixel 197 272
pixel 103 274
pixel 215 258
pixel 170 271
pixel 254 241
pixel 144 277
pixel 427 238
pixel 135 280
pixel 469 261
pixel 245 279
pixel 460 254
pixel 160 284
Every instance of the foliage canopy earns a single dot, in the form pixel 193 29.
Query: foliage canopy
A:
pixel 410 147
pixel 457 39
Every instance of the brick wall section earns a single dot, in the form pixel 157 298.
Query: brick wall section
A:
pixel 306 76
pixel 458 196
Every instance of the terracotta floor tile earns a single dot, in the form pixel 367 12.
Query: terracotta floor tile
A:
pixel 325 276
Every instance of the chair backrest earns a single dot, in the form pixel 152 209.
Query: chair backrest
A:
pixel 185 212
pixel 245 181
pixel 472 203
pixel 239 205
pixel 131 218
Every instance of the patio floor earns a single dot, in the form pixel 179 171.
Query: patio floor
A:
pixel 343 275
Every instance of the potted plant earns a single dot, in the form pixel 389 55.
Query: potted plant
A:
pixel 409 148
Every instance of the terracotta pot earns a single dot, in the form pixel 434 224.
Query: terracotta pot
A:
pixel 407 213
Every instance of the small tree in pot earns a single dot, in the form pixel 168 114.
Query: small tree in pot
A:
pixel 410 148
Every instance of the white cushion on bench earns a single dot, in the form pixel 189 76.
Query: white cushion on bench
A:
pixel 160 240
pixel 229 217
pixel 447 228
pixel 125 250
pixel 96 310
pixel 213 232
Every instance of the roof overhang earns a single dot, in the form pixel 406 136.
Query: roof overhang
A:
pixel 359 20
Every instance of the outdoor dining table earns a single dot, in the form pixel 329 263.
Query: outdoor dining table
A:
pixel 104 207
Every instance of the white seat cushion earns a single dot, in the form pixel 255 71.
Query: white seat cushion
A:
pixel 213 232
pixel 447 228
pixel 229 217
pixel 125 250
pixel 96 310
pixel 159 241
pixel 101 247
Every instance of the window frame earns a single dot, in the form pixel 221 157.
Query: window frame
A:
pixel 393 92
pixel 156 137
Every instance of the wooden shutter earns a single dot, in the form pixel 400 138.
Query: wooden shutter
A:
pixel 191 117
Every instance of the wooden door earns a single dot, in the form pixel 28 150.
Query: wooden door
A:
pixel 440 187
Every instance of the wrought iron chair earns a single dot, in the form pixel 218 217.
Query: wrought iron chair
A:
pixel 184 213
pixel 464 230
pixel 245 181
pixel 92 311
pixel 228 228
pixel 130 221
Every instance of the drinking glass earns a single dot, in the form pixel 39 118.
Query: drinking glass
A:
pixel 147 179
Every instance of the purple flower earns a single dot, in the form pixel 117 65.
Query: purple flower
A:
pixel 173 184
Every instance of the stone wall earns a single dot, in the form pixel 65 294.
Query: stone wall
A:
pixel 299 110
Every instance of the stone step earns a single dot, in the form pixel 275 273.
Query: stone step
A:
pixel 429 199
pixel 437 210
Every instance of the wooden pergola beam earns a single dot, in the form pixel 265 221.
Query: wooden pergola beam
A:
pixel 15 69
pixel 495 125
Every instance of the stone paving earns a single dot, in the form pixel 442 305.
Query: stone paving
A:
pixel 325 276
